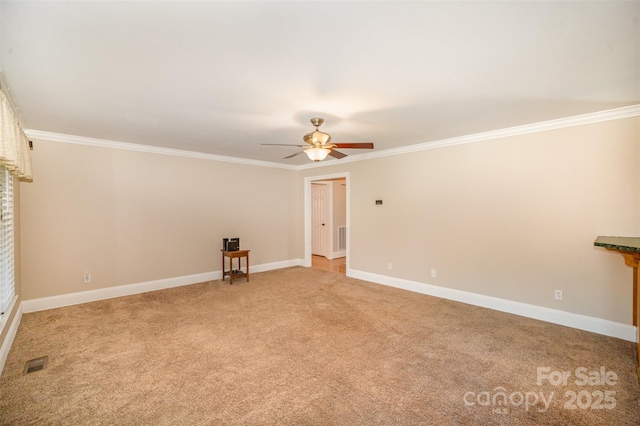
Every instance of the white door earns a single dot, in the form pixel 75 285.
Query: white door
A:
pixel 319 219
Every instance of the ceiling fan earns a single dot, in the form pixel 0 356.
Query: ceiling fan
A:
pixel 319 144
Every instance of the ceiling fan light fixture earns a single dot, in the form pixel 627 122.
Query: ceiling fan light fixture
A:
pixel 317 154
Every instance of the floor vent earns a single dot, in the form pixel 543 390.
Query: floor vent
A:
pixel 36 365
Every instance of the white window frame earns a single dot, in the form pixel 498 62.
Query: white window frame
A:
pixel 7 247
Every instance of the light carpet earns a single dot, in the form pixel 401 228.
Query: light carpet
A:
pixel 309 347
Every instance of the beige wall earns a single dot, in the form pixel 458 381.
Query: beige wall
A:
pixel 513 218
pixel 130 217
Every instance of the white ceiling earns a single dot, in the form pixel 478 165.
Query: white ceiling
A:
pixel 224 77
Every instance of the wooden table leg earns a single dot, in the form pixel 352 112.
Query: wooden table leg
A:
pixel 247 259
pixel 231 269
pixel 633 259
pixel 635 298
pixel 636 313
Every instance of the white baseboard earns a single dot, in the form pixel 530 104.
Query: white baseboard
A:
pixel 11 334
pixel 581 322
pixel 275 265
pixel 44 303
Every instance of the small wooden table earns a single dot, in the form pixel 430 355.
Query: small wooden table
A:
pixel 629 248
pixel 238 272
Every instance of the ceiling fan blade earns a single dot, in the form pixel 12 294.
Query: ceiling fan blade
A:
pixel 354 145
pixel 293 155
pixel 337 154
pixel 283 144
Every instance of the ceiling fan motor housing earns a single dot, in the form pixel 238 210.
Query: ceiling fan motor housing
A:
pixel 317 138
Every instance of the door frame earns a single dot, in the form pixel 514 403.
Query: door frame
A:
pixel 307 214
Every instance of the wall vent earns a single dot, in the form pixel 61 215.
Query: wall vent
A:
pixel 342 238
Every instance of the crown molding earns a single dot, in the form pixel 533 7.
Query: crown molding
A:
pixel 104 143
pixel 577 120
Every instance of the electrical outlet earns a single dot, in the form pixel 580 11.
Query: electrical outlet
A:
pixel 434 273
pixel 389 266
pixel 87 278
pixel 558 294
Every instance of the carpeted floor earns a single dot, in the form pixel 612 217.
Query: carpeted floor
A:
pixel 309 347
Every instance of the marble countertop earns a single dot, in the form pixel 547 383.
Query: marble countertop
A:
pixel 618 243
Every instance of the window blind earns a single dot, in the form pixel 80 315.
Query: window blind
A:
pixel 7 278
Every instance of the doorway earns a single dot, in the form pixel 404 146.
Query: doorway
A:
pixel 335 265
pixel 335 231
